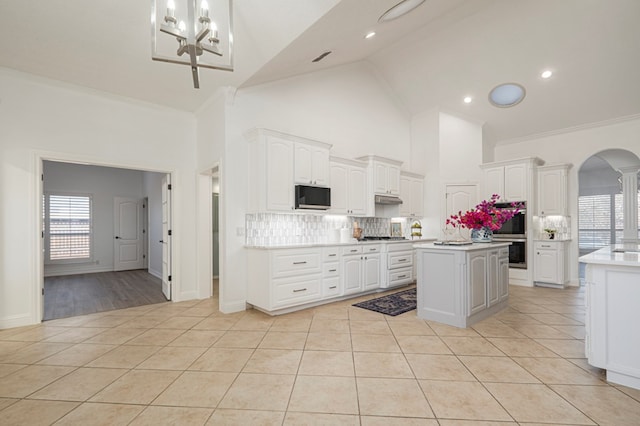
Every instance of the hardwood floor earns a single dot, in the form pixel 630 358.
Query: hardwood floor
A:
pixel 72 295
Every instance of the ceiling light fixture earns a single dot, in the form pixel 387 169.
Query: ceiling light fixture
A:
pixel 467 99
pixel 370 34
pixel 402 8
pixel 546 74
pixel 195 32
pixel 507 95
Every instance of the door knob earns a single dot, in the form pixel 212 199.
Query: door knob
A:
pixel 117 238
pixel 161 241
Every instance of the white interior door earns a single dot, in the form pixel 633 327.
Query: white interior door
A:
pixel 460 198
pixel 128 241
pixel 166 236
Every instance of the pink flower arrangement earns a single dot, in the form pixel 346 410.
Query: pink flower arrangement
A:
pixel 485 215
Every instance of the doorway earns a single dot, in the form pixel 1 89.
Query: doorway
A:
pixel 608 198
pixel 100 238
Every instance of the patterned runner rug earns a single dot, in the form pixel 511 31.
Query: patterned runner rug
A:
pixel 392 304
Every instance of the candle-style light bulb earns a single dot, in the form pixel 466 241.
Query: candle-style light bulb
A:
pixel 214 30
pixel 182 26
pixel 204 9
pixel 171 8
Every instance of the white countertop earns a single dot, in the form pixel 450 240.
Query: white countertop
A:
pixel 610 256
pixel 350 243
pixel 468 247
pixel 555 240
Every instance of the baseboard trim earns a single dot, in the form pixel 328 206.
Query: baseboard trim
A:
pixel 155 273
pixel 229 308
pixel 17 321
pixel 77 272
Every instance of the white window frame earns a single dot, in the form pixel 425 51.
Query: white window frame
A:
pixel 47 236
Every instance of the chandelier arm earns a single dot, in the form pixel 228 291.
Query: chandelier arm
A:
pixel 193 57
pixel 202 34
pixel 172 31
pixel 212 49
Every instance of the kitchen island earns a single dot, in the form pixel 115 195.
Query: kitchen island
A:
pixel 460 285
pixel 612 341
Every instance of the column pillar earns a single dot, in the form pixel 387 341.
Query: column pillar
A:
pixel 630 203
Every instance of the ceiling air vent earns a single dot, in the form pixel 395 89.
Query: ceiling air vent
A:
pixel 322 56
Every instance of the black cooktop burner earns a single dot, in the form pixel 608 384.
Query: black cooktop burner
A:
pixel 382 238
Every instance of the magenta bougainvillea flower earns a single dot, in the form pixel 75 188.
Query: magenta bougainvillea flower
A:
pixel 485 215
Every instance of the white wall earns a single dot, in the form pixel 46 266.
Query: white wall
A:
pixel 103 184
pixel 574 147
pixel 152 184
pixel 450 148
pixel 43 119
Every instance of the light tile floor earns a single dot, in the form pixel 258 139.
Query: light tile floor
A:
pixel 188 364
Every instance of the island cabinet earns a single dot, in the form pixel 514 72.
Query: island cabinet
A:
pixel 461 285
pixel 612 340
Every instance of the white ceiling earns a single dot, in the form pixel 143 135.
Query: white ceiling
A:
pixel 433 57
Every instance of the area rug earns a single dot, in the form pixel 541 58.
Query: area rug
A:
pixel 392 304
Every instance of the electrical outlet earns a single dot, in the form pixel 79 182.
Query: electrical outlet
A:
pixel 240 231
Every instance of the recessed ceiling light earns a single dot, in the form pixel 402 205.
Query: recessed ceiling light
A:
pixel 370 34
pixel 404 7
pixel 467 99
pixel 546 74
pixel 507 95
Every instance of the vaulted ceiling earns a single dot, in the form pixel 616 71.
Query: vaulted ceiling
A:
pixel 443 51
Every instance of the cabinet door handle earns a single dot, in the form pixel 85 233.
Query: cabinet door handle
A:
pixel 332 270
pixel 299 290
pixel 353 251
pixel 402 276
pixel 402 260
pixel 300 263
pixel 332 287
pixel 332 255
pixel 544 245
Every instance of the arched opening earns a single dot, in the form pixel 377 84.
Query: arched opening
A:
pixel 608 201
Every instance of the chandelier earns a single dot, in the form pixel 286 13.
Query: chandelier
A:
pixel 186 34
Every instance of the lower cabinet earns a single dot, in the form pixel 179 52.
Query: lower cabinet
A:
pixel 460 286
pixel 360 269
pixel 550 267
pixel 280 280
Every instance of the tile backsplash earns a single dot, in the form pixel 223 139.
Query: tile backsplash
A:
pixel 275 229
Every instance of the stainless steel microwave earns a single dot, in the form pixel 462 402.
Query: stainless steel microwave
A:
pixel 313 197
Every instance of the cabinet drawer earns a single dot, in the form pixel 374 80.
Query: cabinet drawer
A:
pixel 351 250
pixel 540 245
pixel 331 269
pixel 400 259
pixel 504 252
pixel 400 276
pixel 331 287
pixel 296 291
pixel 395 247
pixel 295 262
pixel 331 254
pixel 371 248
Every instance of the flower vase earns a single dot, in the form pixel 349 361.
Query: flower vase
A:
pixel 482 235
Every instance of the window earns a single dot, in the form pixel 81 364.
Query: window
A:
pixel 67 227
pixel 601 220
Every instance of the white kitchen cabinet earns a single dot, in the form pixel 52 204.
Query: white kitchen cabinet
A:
pixel 311 163
pixel 360 268
pixel 272 168
pixel 284 278
pixel 512 180
pixel 461 285
pixel 399 264
pixel 331 284
pixel 550 267
pixel 348 187
pixel 384 174
pixel 412 195
pixel 552 190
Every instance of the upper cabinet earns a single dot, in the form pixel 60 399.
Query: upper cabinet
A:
pixel 311 162
pixel 552 190
pixel 512 180
pixel 412 195
pixel 348 187
pixel 385 174
pixel 273 169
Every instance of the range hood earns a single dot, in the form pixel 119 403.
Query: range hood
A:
pixel 387 199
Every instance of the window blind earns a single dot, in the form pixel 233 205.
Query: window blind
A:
pixel 69 229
